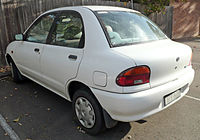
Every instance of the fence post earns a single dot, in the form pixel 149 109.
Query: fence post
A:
pixel 82 2
pixel 2 36
pixel 170 19
pixel 0 39
pixel 132 4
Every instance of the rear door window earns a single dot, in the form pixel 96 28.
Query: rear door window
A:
pixel 68 30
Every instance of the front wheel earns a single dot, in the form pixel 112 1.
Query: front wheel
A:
pixel 88 112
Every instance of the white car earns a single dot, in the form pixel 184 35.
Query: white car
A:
pixel 113 63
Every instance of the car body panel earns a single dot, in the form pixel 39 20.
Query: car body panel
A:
pixel 135 106
pixel 27 60
pixel 57 69
pixel 98 56
pixel 166 59
pixel 98 65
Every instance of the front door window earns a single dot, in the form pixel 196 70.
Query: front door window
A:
pixel 39 31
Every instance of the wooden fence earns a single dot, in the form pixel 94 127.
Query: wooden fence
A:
pixel 16 16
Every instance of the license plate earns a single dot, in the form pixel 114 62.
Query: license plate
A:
pixel 171 97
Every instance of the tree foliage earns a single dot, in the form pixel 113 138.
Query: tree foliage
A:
pixel 153 6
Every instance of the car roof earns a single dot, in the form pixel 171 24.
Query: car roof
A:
pixel 94 8
pixel 108 8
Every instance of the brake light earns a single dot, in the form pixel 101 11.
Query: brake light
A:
pixel 134 76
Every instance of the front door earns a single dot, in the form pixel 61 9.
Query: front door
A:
pixel 29 51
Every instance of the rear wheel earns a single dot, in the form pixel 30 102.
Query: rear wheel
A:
pixel 15 73
pixel 88 112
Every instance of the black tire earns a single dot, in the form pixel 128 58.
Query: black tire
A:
pixel 15 73
pixel 99 124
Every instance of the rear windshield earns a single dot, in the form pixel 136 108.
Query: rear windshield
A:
pixel 126 28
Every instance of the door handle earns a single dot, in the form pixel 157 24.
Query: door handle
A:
pixel 36 50
pixel 73 57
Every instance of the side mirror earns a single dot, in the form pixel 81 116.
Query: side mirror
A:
pixel 19 37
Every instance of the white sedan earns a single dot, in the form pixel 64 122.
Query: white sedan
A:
pixel 114 64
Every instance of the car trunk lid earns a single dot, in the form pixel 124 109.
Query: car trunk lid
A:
pixel 167 59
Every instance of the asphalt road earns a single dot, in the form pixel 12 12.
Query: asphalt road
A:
pixel 40 114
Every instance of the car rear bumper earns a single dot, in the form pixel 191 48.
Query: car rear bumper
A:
pixel 135 106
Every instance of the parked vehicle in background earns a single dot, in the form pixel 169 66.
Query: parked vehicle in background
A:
pixel 113 63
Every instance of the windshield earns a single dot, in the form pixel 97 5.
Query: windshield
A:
pixel 125 28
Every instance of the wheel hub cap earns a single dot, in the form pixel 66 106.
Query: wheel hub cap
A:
pixel 85 112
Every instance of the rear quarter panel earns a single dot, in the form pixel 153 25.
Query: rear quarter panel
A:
pixel 98 56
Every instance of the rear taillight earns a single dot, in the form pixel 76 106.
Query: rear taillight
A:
pixel 134 76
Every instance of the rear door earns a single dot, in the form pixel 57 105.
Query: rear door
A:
pixel 28 53
pixel 62 56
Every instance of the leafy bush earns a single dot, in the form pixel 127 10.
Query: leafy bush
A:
pixel 153 6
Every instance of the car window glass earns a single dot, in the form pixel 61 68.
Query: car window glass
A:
pixel 39 32
pixel 68 30
pixel 126 28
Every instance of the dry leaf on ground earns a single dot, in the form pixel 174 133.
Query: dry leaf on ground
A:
pixel 17 119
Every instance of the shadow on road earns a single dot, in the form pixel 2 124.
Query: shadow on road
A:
pixel 45 115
